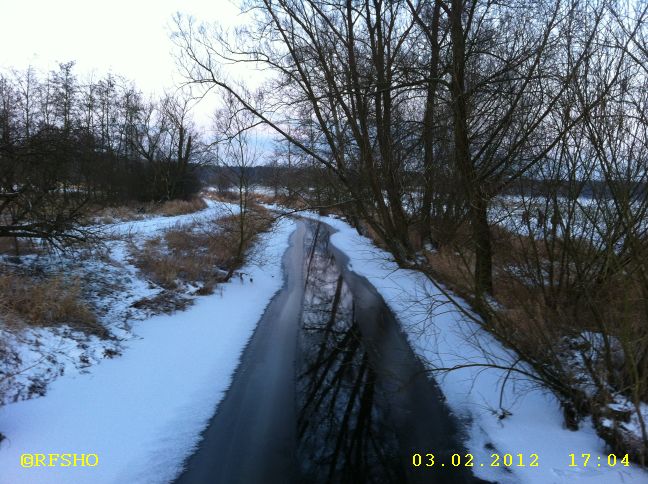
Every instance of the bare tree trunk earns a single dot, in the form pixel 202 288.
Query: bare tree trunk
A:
pixel 475 194
pixel 428 121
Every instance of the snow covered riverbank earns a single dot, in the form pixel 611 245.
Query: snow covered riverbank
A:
pixel 142 413
pixel 519 418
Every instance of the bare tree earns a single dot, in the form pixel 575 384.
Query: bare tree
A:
pixel 239 153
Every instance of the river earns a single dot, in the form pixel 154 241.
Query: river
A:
pixel 328 389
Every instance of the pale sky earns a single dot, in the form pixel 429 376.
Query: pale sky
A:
pixel 127 37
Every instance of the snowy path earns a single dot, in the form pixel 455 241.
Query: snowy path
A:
pixel 142 413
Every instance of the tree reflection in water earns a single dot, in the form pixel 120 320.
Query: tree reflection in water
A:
pixel 343 432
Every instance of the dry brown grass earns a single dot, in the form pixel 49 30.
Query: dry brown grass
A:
pixel 522 315
pixel 199 255
pixel 46 301
pixel 180 207
pixel 179 257
pixel 451 268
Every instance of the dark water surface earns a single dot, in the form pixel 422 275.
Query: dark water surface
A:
pixel 328 389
